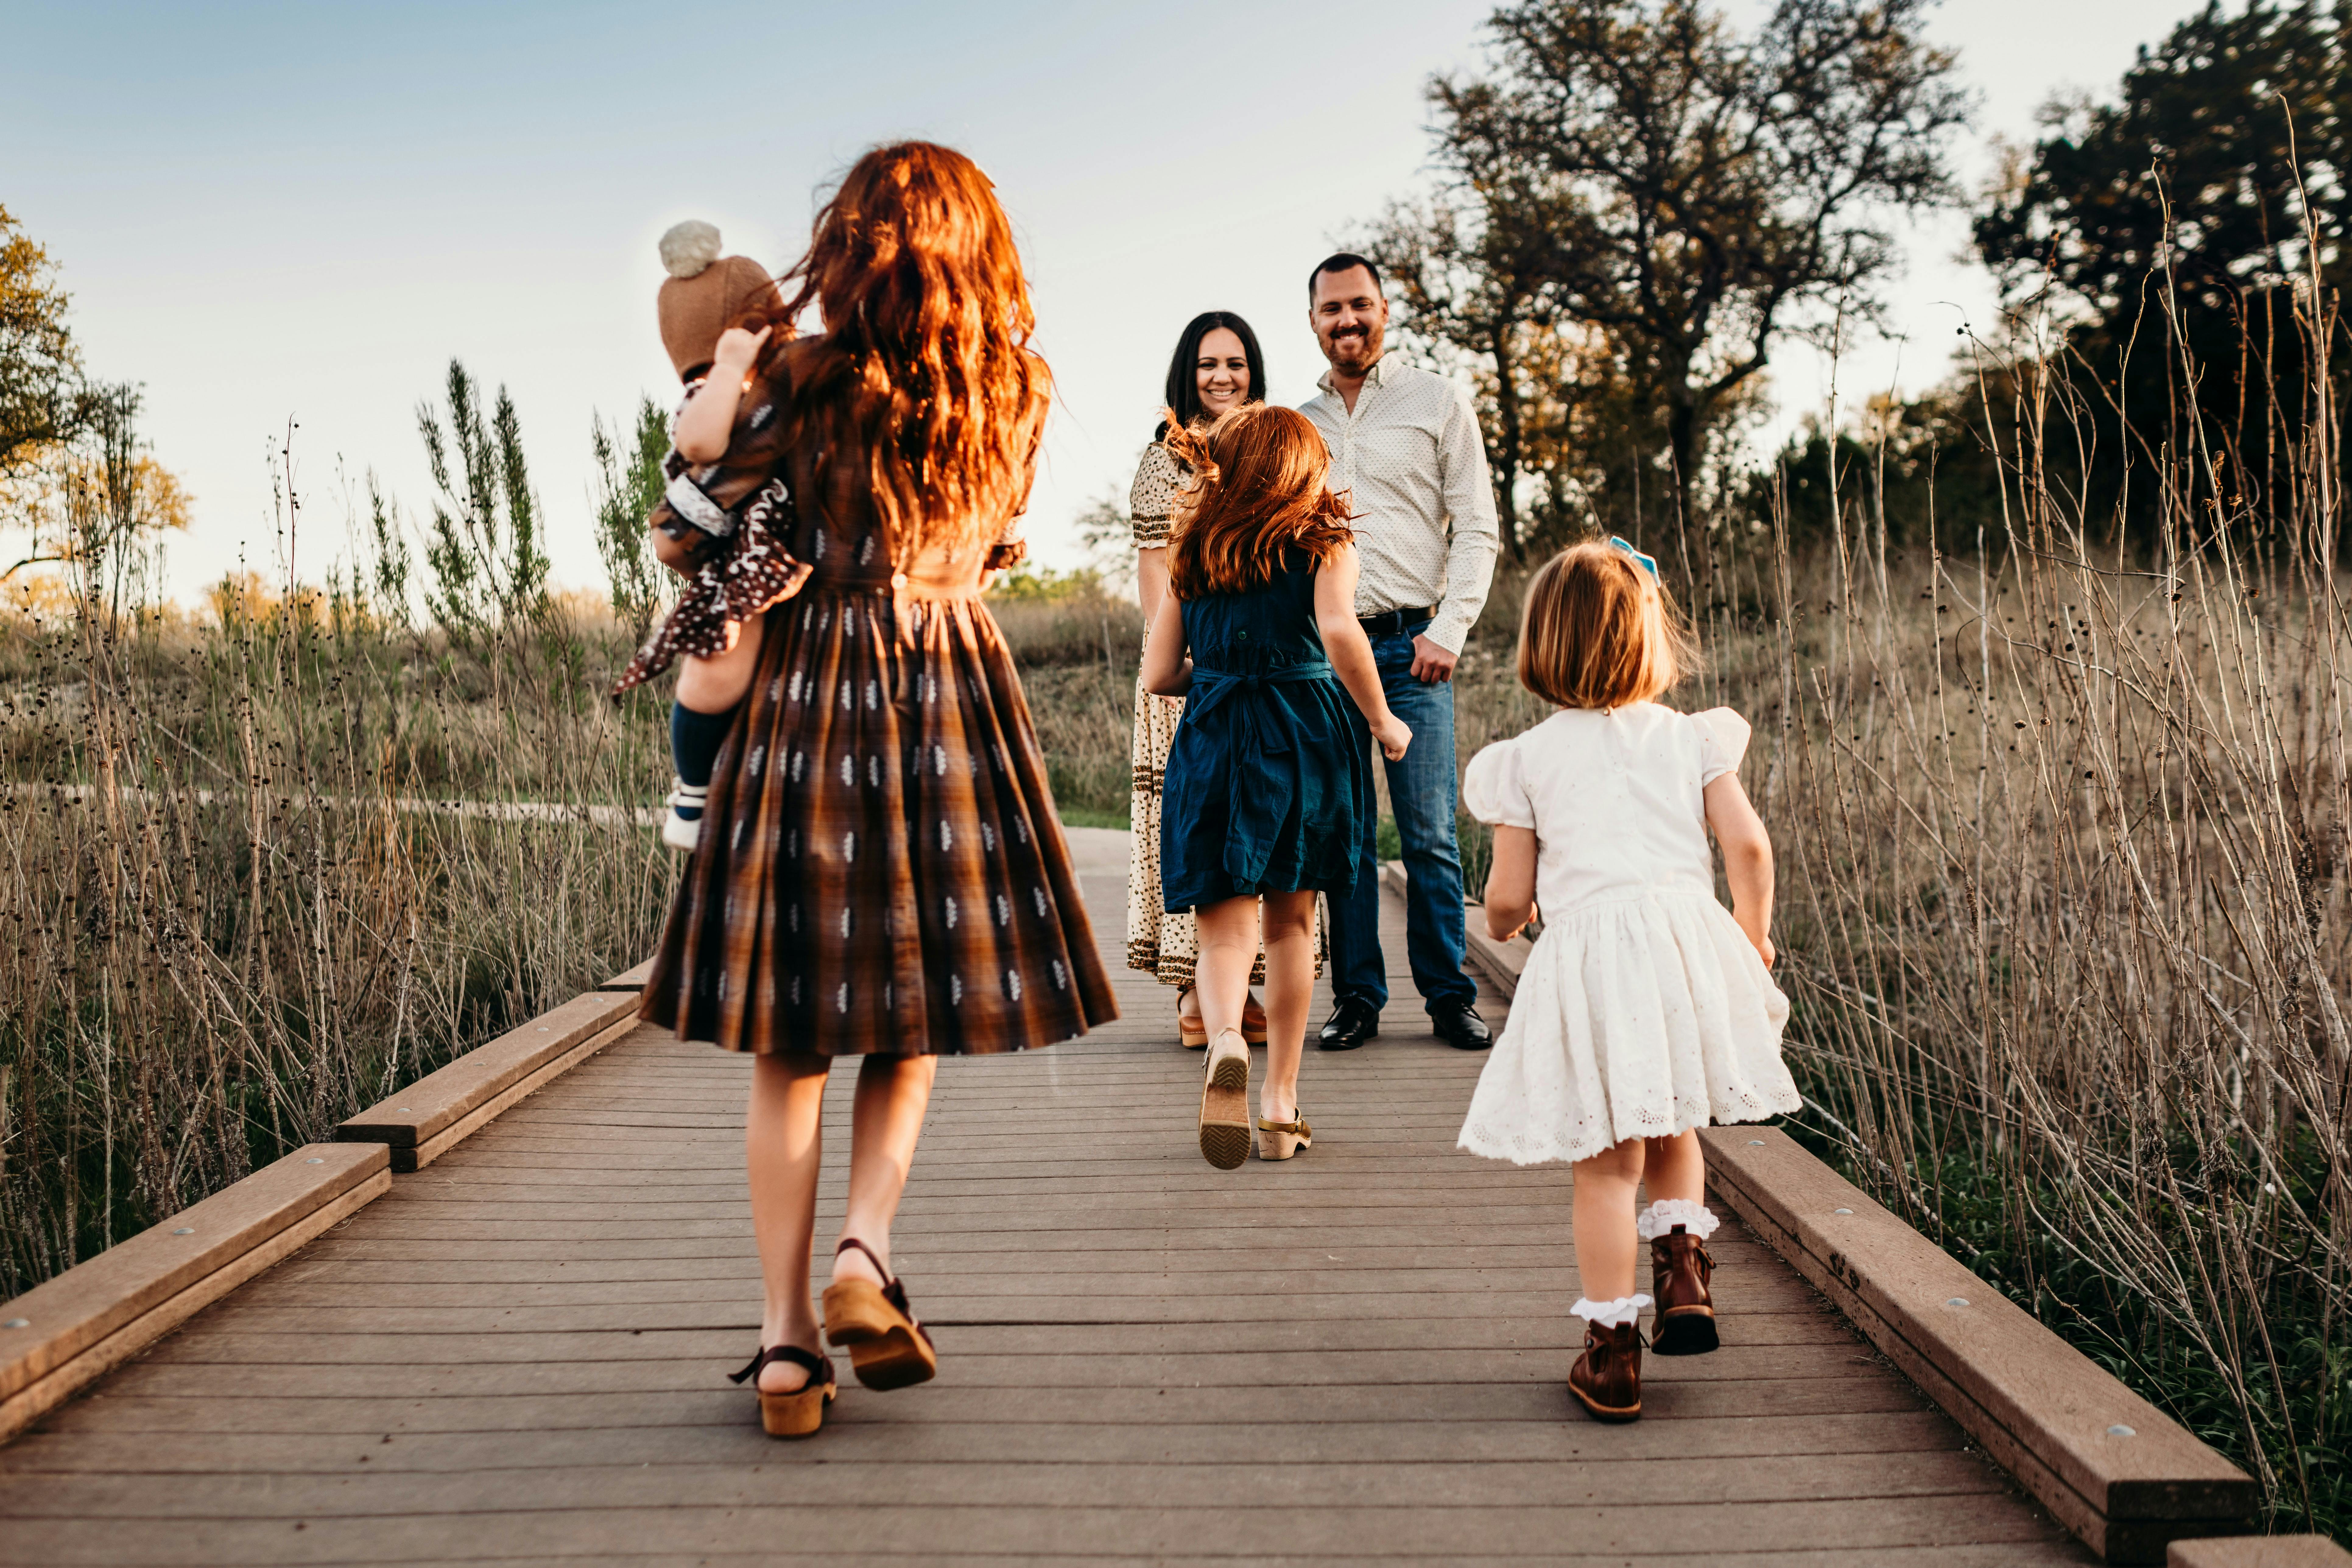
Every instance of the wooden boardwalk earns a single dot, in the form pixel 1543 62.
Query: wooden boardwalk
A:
pixel 515 1356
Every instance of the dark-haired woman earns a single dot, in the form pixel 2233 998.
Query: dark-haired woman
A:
pixel 1217 367
pixel 1264 793
pixel 880 873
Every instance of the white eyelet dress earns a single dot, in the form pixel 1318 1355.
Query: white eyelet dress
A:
pixel 1643 1011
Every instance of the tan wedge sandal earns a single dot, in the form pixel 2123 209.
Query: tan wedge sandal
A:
pixel 887 1347
pixel 1191 1029
pixel 801 1412
pixel 1225 1101
pixel 1281 1140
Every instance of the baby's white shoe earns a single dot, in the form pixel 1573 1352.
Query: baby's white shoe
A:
pixel 682 828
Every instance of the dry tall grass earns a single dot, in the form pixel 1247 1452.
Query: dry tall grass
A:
pixel 225 931
pixel 2062 829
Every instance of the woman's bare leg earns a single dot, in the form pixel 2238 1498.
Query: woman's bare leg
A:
pixel 1606 1244
pixel 783 1139
pixel 893 1092
pixel 1289 925
pixel 714 685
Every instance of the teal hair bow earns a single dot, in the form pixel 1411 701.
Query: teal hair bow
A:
pixel 1647 562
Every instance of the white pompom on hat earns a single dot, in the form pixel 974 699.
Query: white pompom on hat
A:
pixel 688 247
pixel 704 294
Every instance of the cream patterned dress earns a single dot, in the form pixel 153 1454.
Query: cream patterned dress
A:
pixel 1162 945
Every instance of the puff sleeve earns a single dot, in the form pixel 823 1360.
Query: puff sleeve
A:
pixel 1494 789
pixel 1722 742
pixel 1152 498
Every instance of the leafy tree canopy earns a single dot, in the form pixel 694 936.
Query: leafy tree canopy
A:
pixel 2241 125
pixel 1642 168
pixel 40 373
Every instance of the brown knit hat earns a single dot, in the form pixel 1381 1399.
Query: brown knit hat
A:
pixel 703 295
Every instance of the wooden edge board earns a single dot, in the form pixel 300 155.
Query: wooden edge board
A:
pixel 1500 962
pixel 61 1319
pixel 2117 1471
pixel 629 979
pixel 408 1159
pixel 438 1100
pixel 2258 1551
pixel 2048 1414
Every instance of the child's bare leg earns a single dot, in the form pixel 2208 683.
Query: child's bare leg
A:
pixel 1606 1245
pixel 1228 942
pixel 1289 923
pixel 716 684
pixel 1676 1167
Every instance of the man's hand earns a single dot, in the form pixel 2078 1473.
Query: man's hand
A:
pixel 1430 663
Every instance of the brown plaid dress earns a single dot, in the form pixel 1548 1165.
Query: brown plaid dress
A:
pixel 880 867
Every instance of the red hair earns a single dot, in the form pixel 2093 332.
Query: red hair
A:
pixel 1257 492
pixel 925 365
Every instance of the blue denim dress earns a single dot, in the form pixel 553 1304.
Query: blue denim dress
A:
pixel 1267 789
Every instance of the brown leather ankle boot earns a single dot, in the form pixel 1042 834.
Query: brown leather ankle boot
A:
pixel 1680 1269
pixel 1607 1378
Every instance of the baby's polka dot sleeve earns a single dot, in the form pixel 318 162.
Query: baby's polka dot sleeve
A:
pixel 1494 789
pixel 1722 742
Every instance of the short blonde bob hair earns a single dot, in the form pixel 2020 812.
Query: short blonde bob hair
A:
pixel 1597 630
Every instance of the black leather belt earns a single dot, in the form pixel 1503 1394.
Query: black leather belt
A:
pixel 1392 623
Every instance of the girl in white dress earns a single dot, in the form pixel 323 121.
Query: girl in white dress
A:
pixel 1646 1010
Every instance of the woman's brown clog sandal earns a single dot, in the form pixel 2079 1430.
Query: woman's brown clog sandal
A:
pixel 1281 1140
pixel 801 1412
pixel 887 1347
pixel 1191 1029
pixel 1225 1102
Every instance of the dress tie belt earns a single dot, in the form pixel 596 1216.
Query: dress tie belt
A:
pixel 1254 740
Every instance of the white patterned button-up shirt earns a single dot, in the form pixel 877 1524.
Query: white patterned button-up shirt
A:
pixel 1412 457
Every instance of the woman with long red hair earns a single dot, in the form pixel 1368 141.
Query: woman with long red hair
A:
pixel 1263 795
pixel 880 873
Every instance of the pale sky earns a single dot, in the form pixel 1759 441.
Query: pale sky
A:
pixel 301 212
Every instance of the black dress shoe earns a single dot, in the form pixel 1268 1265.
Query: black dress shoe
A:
pixel 1353 1022
pixel 1459 1026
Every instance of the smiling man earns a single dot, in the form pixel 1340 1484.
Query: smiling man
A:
pixel 1404 443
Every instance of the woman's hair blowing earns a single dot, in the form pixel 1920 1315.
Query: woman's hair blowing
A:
pixel 1596 630
pixel 1257 490
pixel 925 365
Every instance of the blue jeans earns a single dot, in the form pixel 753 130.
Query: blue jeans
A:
pixel 1421 792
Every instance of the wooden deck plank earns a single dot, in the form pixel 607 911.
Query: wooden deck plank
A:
pixel 1144 1529
pixel 1343 1483
pixel 515 1354
pixel 1076 1443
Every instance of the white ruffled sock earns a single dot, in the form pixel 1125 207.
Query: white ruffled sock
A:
pixel 1610 1314
pixel 1661 1217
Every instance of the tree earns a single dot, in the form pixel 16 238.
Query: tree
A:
pixel 98 504
pixel 628 486
pixel 1468 277
pixel 2176 227
pixel 483 545
pixel 1694 194
pixel 2229 139
pixel 41 398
